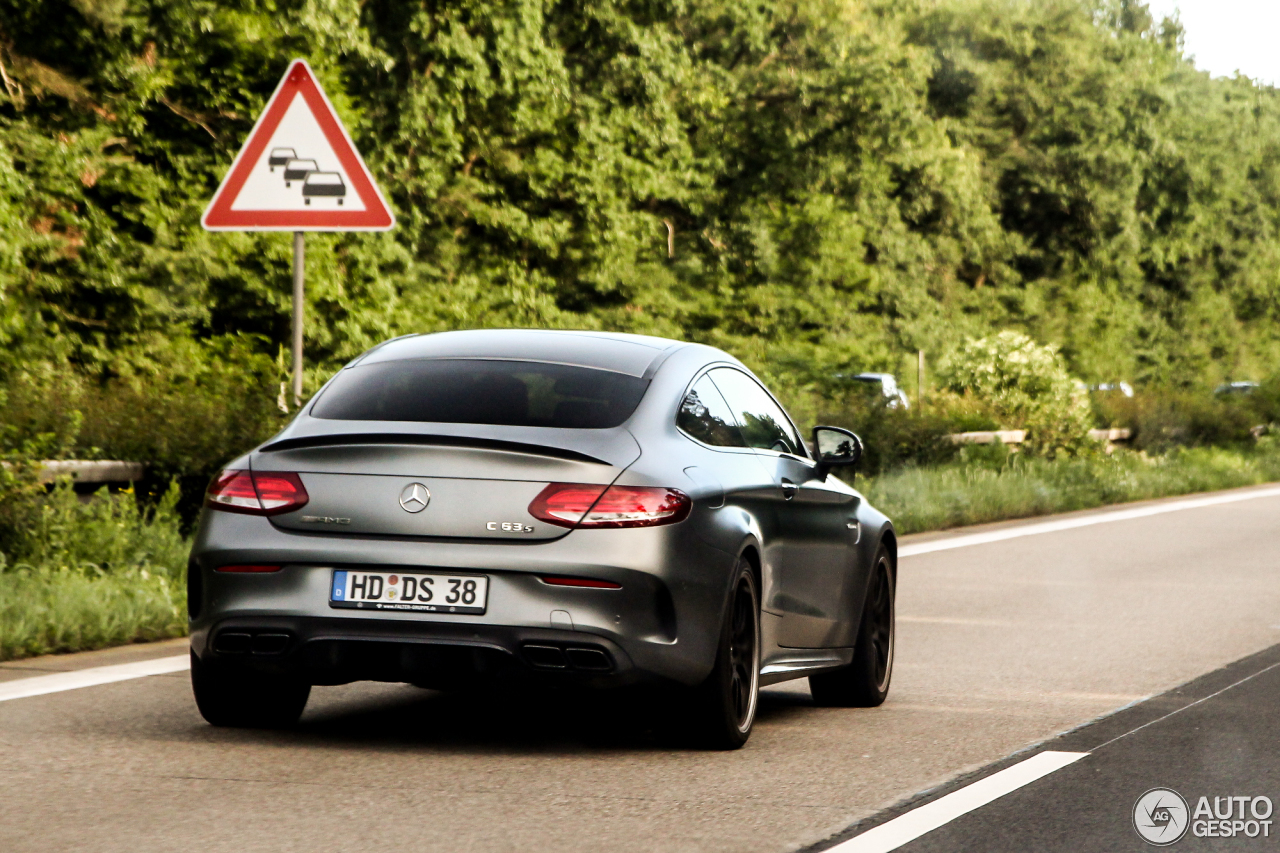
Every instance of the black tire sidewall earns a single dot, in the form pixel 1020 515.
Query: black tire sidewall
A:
pixel 855 685
pixel 719 727
pixel 243 700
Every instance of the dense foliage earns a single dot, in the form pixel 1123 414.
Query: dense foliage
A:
pixel 820 187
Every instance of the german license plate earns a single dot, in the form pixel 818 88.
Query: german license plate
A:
pixel 421 593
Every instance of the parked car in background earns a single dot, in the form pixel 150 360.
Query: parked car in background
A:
pixel 586 508
pixel 886 385
pixel 1123 388
pixel 1233 388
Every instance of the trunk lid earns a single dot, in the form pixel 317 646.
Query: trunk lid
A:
pixel 438 486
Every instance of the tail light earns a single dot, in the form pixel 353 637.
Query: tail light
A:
pixel 579 505
pixel 256 492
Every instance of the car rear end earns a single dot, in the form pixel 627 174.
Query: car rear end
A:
pixel 507 539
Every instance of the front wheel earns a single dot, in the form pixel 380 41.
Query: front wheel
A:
pixel 246 700
pixel 865 682
pixel 725 704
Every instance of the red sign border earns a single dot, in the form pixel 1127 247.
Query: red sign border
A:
pixel 298 80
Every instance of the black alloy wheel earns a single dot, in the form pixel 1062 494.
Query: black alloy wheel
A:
pixel 725 704
pixel 864 683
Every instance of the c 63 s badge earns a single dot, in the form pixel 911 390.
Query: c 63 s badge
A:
pixel 323 519
pixel 508 526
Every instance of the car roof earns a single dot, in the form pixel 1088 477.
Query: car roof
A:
pixel 616 351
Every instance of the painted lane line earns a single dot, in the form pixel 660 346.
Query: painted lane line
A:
pixel 57 682
pixel 930 816
pixel 1072 523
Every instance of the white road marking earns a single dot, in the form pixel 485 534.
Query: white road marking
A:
pixel 1085 521
pixel 57 682
pixel 926 818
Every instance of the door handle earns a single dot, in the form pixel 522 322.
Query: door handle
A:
pixel 789 489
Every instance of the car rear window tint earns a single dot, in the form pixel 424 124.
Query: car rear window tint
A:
pixel 482 391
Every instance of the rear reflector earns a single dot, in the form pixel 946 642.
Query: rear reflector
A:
pixel 580 505
pixel 257 492
pixel 248 569
pixel 587 582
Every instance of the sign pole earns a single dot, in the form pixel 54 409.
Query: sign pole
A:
pixel 920 382
pixel 298 171
pixel 299 263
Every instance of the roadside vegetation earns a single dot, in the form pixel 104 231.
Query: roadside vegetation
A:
pixel 78 575
pixel 990 484
pixel 1179 442
pixel 1037 195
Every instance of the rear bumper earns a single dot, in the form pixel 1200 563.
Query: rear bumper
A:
pixel 326 650
pixel 662 624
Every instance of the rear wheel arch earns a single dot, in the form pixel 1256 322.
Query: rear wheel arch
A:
pixel 751 553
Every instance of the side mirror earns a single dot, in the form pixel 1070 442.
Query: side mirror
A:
pixel 835 448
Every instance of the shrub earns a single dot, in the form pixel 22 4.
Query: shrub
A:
pixel 1024 385
pixel 1162 419
pixel 184 416
pixel 893 436
pixel 974 490
pixel 83 574
pixel 106 534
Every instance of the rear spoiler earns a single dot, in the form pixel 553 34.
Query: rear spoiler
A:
pixel 428 440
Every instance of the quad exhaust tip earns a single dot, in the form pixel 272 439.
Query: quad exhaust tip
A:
pixel 257 643
pixel 569 658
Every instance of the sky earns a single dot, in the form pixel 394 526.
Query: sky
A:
pixel 1225 36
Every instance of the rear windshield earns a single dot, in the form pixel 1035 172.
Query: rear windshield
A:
pixel 480 391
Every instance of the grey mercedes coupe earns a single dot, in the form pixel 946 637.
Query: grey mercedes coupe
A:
pixel 599 509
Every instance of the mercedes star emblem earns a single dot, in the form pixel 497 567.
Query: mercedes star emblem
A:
pixel 415 498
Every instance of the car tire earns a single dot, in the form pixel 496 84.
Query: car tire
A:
pixel 246 700
pixel 724 705
pixel 864 683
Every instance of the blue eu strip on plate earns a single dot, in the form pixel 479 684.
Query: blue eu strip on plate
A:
pixel 339 586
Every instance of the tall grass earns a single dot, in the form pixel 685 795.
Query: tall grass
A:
pixel 46 611
pixel 83 575
pixel 986 485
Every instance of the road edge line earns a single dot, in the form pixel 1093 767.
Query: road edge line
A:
pixel 932 815
pixel 41 685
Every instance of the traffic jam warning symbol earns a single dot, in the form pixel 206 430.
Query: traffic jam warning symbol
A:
pixel 298 170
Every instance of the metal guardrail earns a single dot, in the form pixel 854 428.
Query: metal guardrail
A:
pixel 90 471
pixel 1004 436
pixel 1017 436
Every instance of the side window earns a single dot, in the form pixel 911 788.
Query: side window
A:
pixel 764 424
pixel 705 416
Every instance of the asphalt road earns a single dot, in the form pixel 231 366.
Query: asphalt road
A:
pixel 1002 646
pixel 1207 750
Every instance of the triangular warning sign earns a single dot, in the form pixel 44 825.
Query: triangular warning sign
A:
pixel 298 170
